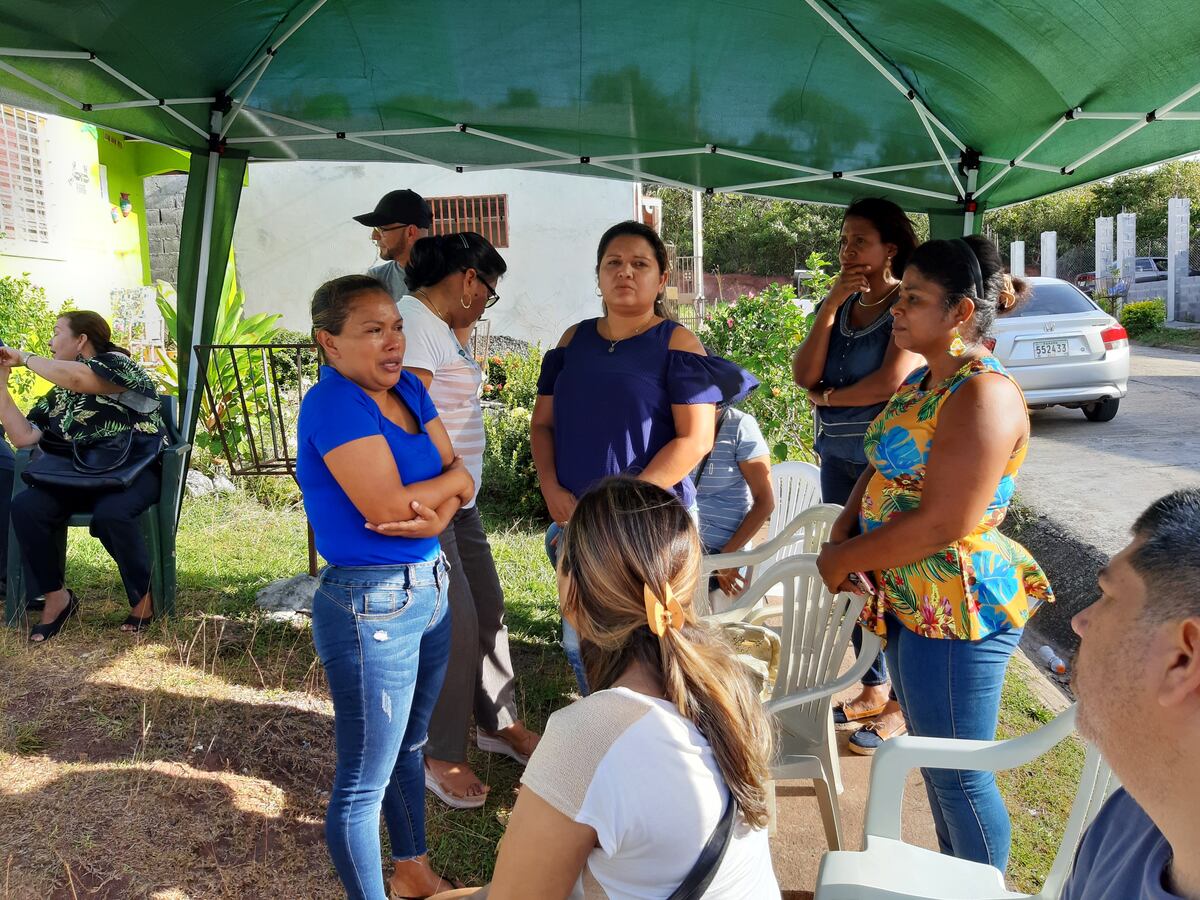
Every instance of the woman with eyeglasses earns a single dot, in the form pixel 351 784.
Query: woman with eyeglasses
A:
pixel 452 280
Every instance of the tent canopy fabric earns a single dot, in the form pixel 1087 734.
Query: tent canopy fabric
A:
pixel 802 99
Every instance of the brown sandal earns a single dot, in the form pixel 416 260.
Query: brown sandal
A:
pixel 843 716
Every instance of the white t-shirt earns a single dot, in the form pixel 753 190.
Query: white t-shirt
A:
pixel 640 774
pixel 457 380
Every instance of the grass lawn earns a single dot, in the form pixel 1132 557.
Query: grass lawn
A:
pixel 1187 339
pixel 195 760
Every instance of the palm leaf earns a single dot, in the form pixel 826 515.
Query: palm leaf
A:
pixel 935 568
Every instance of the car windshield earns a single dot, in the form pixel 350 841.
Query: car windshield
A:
pixel 1160 263
pixel 1053 299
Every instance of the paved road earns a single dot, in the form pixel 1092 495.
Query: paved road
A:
pixel 1088 481
pixel 1093 478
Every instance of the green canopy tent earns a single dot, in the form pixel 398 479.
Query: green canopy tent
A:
pixel 946 106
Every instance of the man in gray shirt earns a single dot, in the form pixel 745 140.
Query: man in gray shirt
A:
pixel 1137 679
pixel 400 219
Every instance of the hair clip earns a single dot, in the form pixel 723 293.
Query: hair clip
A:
pixel 659 615
pixel 462 237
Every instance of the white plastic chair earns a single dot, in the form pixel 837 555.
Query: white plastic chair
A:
pixel 804 533
pixel 797 487
pixel 816 631
pixel 889 869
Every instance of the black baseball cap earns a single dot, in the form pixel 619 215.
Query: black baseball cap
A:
pixel 401 208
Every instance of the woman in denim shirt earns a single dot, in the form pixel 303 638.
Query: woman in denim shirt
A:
pixel 380 482
pixel 851 367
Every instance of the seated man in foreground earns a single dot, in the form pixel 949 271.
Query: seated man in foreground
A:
pixel 1138 682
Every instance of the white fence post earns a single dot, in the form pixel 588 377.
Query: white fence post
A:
pixel 1104 255
pixel 1049 254
pixel 1179 226
pixel 1016 259
pixel 1127 251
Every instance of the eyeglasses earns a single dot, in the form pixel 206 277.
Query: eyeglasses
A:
pixel 382 228
pixel 492 297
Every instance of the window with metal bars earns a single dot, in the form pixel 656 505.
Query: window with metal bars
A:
pixel 486 215
pixel 22 189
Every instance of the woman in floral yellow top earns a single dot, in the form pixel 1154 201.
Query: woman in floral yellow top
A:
pixel 953 592
pixel 98 392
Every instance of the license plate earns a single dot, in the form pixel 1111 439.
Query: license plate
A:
pixel 1045 349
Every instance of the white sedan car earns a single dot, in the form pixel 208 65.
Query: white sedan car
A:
pixel 1064 350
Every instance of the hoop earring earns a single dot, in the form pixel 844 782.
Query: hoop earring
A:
pixel 957 346
pixel 465 305
pixel 599 293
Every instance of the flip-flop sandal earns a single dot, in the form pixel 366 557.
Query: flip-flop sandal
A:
pixel 491 744
pixel 134 624
pixel 843 717
pixel 871 736
pixel 454 802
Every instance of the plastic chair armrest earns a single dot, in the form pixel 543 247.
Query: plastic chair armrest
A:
pixel 898 756
pixel 870 649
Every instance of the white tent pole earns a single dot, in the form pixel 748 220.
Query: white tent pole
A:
pixel 882 70
pixel 332 135
pixel 273 48
pixel 781 182
pixel 1041 167
pixel 902 188
pixel 941 151
pixel 1179 116
pixel 395 151
pixel 45 54
pixel 525 145
pixel 969 216
pixel 41 85
pixel 528 164
pixel 241 101
pixel 1135 127
pixel 137 88
pixel 1110 143
pixel 904 167
pixel 1019 159
pixel 290 121
pixel 1117 116
pixel 778 163
pixel 135 104
pixel 210 202
pixel 647 176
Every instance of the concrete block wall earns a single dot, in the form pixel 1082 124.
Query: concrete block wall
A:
pixel 164 219
pixel 1187 303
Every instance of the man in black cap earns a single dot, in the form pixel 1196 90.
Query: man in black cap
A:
pixel 400 219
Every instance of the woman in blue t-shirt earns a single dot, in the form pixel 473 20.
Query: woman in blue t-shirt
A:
pixel 373 451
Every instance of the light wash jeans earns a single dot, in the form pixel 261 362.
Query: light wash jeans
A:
pixel 383 636
pixel 950 688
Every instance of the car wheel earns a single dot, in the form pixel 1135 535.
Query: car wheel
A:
pixel 1102 410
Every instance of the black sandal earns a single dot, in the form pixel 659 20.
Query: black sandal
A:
pixel 135 624
pixel 48 630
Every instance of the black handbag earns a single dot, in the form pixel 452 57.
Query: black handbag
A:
pixel 705 869
pixel 105 464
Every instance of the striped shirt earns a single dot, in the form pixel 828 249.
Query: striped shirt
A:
pixel 721 491
pixel 457 380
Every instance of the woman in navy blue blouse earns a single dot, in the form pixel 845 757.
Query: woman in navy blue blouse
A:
pixel 632 392
pixel 380 482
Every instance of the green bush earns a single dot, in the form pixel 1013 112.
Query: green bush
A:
pixel 510 485
pixel 27 322
pixel 1144 317
pixel 512 378
pixel 759 332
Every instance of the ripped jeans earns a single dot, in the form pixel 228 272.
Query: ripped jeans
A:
pixel 383 636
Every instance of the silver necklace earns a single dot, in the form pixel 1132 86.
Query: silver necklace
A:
pixel 612 345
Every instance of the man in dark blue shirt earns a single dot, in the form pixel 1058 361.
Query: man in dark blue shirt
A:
pixel 1137 678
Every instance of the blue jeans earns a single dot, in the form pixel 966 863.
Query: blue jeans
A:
pixel 383 636
pixel 950 688
pixel 838 478
pixel 570 638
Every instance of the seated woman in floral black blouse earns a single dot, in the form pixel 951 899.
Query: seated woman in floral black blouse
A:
pixel 99 392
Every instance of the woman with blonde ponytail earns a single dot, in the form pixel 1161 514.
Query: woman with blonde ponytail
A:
pixel 629 784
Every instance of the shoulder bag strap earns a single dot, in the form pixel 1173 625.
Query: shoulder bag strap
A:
pixel 705 869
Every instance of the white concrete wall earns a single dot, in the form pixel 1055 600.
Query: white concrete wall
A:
pixel 294 231
pixel 88 255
